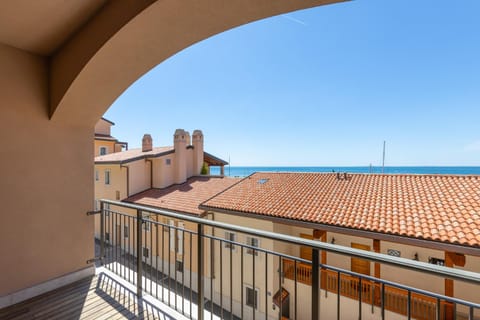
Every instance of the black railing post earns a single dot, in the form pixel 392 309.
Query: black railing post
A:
pixel 139 252
pixel 200 256
pixel 102 232
pixel 315 284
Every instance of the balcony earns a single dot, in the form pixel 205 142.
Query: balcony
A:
pixel 160 264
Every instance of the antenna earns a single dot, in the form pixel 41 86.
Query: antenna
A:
pixel 383 161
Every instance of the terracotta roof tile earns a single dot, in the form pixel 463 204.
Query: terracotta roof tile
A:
pixel 185 197
pixel 441 208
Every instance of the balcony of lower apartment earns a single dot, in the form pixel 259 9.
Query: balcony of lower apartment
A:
pixel 149 262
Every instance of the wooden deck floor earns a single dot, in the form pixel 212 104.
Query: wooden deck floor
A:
pixel 98 297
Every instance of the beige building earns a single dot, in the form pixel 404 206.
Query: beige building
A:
pixel 120 175
pixel 104 143
pixel 429 218
pixel 409 216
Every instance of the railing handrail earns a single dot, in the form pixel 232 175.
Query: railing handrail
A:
pixel 391 284
pixel 445 272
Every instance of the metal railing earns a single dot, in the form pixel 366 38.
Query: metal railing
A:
pixel 200 268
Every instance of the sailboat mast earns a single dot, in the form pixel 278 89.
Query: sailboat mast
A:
pixel 383 160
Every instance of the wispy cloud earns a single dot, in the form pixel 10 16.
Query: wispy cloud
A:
pixel 286 16
pixel 474 146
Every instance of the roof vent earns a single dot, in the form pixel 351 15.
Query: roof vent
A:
pixel 342 176
pixel 262 181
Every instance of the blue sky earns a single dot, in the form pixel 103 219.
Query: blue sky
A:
pixel 323 87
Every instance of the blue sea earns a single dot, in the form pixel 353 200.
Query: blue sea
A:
pixel 245 171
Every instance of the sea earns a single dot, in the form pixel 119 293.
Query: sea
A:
pixel 237 171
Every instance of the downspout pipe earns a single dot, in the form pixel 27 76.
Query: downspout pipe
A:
pixel 151 172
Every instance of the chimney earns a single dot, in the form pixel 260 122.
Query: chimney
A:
pixel 197 138
pixel 180 147
pixel 146 142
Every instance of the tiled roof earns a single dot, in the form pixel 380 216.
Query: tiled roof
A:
pixel 132 155
pixel 431 207
pixel 184 197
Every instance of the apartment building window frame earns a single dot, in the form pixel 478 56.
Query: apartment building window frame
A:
pixel 102 150
pixel 230 236
pixel 106 207
pixel 146 226
pixel 168 161
pixel 251 296
pixel 176 236
pixel 107 177
pixel 179 265
pixel 146 252
pixel 253 242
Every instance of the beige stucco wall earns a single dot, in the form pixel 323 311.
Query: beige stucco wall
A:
pixel 118 177
pixel 103 127
pixel 139 176
pixel 46 180
pixel 110 145
pixel 163 174
pixel 190 170
pixel 264 283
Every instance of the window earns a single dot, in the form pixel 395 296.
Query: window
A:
pixel 126 231
pixel 146 226
pixel 179 265
pixel 168 161
pixel 230 236
pixel 176 236
pixel 103 151
pixel 106 208
pixel 96 175
pixel 107 176
pixel 251 297
pixel 180 248
pixel 254 242
pixel 146 252
pixel 171 232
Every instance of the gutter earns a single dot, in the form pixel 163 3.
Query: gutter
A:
pixel 430 244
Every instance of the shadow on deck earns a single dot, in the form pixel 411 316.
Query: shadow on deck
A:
pixel 97 297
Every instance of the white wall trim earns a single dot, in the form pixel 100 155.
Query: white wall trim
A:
pixel 46 286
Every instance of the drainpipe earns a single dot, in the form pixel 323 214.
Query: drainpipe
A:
pixel 128 179
pixel 151 172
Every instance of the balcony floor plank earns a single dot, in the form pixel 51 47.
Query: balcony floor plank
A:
pixel 98 297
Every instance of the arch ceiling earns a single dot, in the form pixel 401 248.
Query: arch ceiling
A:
pixel 95 49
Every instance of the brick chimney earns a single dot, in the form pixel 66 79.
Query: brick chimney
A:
pixel 146 143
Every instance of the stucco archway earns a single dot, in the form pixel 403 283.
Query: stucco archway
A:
pixel 122 43
pixel 63 63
